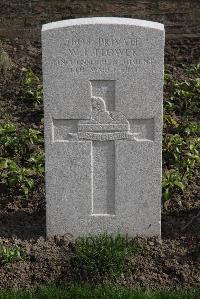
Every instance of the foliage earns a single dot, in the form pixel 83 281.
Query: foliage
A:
pixel 181 156
pixel 101 255
pixel 184 99
pixel 172 181
pixel 188 92
pixel 183 153
pixel 37 162
pixel 14 176
pixel 10 254
pixel 32 89
pixel 181 139
pixel 16 142
pixel 22 159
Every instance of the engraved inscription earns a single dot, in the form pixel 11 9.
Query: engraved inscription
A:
pixel 103 55
pixel 102 52
pixel 102 127
pixel 101 63
pixel 103 136
pixel 102 41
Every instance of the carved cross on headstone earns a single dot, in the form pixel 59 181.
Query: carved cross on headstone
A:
pixel 102 129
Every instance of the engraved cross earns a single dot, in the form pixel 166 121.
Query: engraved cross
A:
pixel 102 128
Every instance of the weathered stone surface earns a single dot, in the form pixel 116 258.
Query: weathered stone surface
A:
pixel 103 85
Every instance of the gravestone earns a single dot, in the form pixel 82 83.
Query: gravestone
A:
pixel 103 86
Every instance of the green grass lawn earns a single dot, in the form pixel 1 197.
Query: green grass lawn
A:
pixel 83 292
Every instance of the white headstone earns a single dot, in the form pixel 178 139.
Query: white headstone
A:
pixel 103 87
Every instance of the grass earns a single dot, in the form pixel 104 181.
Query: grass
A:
pixel 97 292
pixel 101 255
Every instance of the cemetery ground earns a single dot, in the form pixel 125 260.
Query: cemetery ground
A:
pixel 27 257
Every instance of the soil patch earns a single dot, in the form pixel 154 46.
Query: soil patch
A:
pixel 166 264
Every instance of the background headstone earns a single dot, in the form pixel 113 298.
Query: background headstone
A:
pixel 103 85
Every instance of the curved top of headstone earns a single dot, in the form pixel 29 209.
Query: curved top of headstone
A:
pixel 103 21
